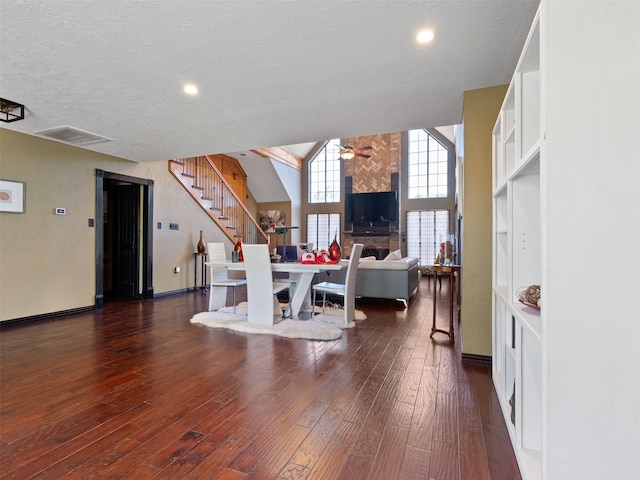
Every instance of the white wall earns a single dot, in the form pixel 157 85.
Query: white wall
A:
pixel 591 108
pixel 291 178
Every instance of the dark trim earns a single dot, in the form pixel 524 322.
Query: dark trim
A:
pixel 99 300
pixel 44 316
pixel 147 247
pixel 473 359
pixel 173 292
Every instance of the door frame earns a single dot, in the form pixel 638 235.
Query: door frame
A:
pixel 147 233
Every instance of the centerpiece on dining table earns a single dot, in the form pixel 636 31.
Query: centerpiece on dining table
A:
pixel 331 256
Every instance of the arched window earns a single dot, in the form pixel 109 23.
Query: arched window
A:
pixel 428 166
pixel 324 174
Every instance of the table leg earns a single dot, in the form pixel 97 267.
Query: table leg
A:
pixel 452 285
pixel 433 326
pixel 434 329
pixel 299 297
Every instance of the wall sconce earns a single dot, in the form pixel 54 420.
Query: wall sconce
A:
pixel 10 111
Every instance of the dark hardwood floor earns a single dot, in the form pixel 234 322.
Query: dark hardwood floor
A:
pixel 135 391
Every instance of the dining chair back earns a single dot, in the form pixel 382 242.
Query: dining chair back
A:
pixel 263 305
pixel 219 276
pixel 346 290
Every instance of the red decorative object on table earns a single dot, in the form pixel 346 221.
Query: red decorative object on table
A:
pixel 334 249
pixel 238 248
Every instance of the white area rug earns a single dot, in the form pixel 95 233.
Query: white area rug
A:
pixel 321 327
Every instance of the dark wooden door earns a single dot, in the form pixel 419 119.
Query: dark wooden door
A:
pixel 126 240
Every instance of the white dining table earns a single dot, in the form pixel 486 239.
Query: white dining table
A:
pixel 301 273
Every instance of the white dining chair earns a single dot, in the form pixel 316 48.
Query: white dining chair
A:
pixel 261 289
pixel 219 276
pixel 346 290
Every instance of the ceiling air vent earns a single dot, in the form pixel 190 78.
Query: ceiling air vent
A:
pixel 72 135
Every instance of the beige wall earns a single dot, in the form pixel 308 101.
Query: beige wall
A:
pixel 480 113
pixel 47 261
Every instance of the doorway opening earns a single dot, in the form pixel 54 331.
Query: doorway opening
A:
pixel 124 237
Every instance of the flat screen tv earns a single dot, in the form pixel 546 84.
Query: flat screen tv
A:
pixel 371 207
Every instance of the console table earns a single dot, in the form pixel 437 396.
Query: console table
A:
pixel 204 257
pixel 438 271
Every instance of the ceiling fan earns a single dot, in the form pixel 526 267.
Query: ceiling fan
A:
pixel 347 152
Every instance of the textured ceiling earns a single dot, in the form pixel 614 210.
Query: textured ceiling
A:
pixel 269 72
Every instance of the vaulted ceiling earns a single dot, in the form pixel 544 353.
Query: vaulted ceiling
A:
pixel 269 72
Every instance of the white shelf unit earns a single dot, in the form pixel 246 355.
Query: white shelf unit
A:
pixel 517 258
pixel 566 169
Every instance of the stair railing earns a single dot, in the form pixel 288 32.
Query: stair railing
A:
pixel 208 187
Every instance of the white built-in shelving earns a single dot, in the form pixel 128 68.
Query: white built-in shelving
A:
pixel 517 329
pixel 566 177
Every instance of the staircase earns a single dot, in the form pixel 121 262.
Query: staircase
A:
pixel 204 182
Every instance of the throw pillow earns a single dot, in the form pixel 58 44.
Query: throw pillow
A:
pixel 395 255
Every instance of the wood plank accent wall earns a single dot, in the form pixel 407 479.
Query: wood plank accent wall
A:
pixel 233 173
pixel 374 174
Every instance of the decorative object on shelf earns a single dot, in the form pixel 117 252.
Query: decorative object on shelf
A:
pixel 334 249
pixel 530 296
pixel 238 249
pixel 201 246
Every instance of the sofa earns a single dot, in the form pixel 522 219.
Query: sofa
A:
pixel 395 277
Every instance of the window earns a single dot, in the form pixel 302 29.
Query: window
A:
pixel 321 228
pixel 324 174
pixel 428 166
pixel 426 229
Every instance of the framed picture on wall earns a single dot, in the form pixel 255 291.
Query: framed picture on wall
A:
pixel 12 196
pixel 271 218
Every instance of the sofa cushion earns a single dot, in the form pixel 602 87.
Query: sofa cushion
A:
pixel 395 255
pixel 403 264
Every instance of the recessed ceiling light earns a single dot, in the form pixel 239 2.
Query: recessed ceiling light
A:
pixel 425 36
pixel 190 89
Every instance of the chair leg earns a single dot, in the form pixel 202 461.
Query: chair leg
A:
pixel 324 301
pixel 234 299
pixel 286 313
